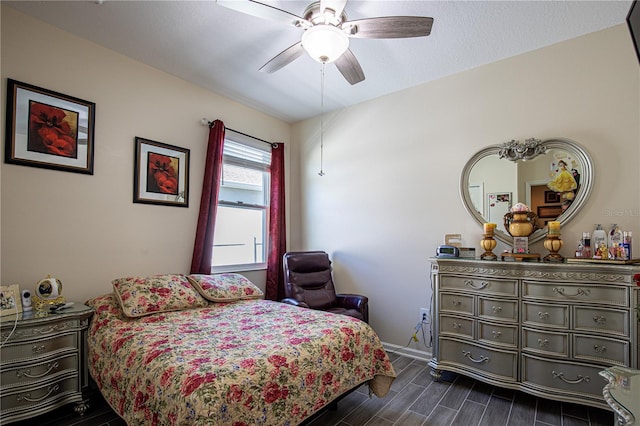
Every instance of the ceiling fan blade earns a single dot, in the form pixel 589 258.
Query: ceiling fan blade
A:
pixel 262 10
pixel 349 67
pixel 336 5
pixel 390 27
pixel 283 58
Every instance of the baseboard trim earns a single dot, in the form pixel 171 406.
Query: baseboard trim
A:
pixel 419 355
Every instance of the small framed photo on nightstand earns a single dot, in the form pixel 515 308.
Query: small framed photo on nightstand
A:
pixel 521 244
pixel 10 300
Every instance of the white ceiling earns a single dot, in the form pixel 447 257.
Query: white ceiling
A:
pixel 221 49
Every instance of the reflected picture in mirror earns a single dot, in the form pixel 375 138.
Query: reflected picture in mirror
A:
pixel 553 176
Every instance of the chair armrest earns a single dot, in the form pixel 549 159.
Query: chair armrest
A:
pixel 351 301
pixel 355 301
pixel 294 302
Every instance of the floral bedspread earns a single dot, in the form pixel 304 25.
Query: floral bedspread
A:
pixel 252 362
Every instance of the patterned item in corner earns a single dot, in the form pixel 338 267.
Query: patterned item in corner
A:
pixel 139 296
pixel 250 362
pixel 225 287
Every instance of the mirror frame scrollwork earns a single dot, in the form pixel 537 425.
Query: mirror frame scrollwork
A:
pixel 528 150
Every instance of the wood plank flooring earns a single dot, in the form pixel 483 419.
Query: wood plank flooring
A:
pixel 414 400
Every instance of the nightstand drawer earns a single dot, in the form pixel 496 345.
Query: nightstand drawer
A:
pixel 38 348
pixel 38 370
pixel 556 316
pixel 479 285
pixel 47 393
pixel 39 331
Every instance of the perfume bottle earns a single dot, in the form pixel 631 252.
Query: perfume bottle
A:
pixel 626 244
pixel 615 236
pixel 586 244
pixel 580 249
pixel 599 241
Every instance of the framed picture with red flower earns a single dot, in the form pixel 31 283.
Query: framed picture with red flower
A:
pixel 161 174
pixel 48 129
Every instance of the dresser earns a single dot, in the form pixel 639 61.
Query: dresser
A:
pixel 43 362
pixel 545 329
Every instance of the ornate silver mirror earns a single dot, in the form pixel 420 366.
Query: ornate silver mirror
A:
pixel 554 177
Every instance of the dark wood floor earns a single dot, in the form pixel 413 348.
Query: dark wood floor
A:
pixel 414 400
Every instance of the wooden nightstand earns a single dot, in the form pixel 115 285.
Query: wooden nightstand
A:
pixel 43 364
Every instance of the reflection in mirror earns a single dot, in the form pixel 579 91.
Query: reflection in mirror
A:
pixel 553 177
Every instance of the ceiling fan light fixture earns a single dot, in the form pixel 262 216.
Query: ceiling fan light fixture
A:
pixel 325 43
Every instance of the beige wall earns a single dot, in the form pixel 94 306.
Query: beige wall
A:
pixel 392 165
pixel 84 229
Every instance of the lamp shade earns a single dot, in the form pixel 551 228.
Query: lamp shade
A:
pixel 325 43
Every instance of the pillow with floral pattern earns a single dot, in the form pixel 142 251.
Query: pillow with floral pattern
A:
pixel 225 287
pixel 140 296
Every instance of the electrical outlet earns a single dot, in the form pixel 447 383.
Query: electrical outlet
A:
pixel 425 315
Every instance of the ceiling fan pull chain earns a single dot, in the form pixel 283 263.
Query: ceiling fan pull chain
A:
pixel 321 173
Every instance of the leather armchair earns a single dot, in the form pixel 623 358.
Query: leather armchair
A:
pixel 308 282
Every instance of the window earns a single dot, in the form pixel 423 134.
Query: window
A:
pixel 240 238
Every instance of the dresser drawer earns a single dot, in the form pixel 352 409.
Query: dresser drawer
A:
pixel 38 370
pixel 498 364
pixel 496 334
pixel 47 393
pixel 14 352
pixel 611 321
pixel 506 310
pixel 578 380
pixel 479 285
pixel 456 303
pixel 600 349
pixel 563 292
pixel 556 316
pixel 545 342
pixel 459 326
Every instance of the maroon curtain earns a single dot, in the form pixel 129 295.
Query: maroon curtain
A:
pixel 277 229
pixel 203 247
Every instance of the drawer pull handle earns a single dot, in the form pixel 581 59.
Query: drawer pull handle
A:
pixel 543 343
pixel 477 361
pixel 457 325
pixel 579 292
pixel 470 283
pixel 496 309
pixel 600 319
pixel 496 334
pixel 456 302
pixel 579 379
pixel 600 349
pixel 38 349
pixel 27 397
pixel 27 372
pixel 543 315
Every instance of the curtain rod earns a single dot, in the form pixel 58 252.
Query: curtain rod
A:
pixel 208 123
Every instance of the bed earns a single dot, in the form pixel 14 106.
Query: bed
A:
pixel 208 350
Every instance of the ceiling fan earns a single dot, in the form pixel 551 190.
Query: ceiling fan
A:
pixel 327 31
